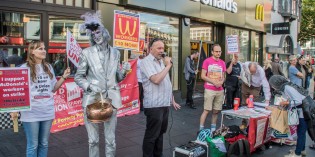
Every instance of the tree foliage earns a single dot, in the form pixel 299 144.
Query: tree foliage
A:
pixel 307 27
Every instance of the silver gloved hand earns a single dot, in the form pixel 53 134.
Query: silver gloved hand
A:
pixel 94 88
pixel 126 67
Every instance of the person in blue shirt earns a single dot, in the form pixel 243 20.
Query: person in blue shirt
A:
pixel 295 76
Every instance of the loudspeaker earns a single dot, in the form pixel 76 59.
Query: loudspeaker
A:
pixel 192 149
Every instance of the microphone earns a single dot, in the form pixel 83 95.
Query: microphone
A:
pixel 164 55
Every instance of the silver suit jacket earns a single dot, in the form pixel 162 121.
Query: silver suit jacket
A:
pixel 91 70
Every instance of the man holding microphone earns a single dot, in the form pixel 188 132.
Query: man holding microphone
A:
pixel 158 96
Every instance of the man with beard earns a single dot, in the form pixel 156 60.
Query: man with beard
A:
pixel 99 72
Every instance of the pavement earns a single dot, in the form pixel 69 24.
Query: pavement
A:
pixel 183 126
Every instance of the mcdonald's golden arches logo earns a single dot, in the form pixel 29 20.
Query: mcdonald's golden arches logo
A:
pixel 260 13
pixel 127 27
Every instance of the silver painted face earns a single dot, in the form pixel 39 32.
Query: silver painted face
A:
pixel 97 36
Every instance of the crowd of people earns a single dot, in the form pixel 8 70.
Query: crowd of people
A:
pixel 99 73
pixel 240 80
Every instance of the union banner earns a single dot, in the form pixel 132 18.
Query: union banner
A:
pixel 126 30
pixel 68 101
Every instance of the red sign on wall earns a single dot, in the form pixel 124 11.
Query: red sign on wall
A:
pixel 14 89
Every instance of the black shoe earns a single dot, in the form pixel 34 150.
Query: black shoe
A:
pixel 193 106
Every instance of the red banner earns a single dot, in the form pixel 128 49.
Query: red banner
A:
pixel 258 132
pixel 68 106
pixel 129 91
pixel 14 89
pixel 68 101
pixel 126 30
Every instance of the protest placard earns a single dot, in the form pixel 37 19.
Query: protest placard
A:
pixel 232 44
pixel 14 89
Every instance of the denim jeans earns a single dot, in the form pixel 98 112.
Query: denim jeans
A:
pixel 109 133
pixel 37 135
pixel 301 136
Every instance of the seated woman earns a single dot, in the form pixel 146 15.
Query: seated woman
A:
pixel 295 97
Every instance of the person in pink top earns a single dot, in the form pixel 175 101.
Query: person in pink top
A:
pixel 213 73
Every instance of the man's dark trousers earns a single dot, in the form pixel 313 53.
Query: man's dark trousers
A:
pixel 157 121
pixel 141 95
pixel 190 91
pixel 231 93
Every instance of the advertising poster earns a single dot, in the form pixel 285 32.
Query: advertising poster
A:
pixel 126 30
pixel 232 44
pixel 14 89
pixel 68 106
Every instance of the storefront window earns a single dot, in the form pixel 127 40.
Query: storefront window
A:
pixel 166 28
pixel 58 27
pixel 76 3
pixel 243 37
pixel 69 2
pixel 288 45
pixel 16 31
pixel 200 31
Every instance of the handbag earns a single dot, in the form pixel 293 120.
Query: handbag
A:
pixel 279 120
pixel 293 116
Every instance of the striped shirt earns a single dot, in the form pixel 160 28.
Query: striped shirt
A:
pixel 155 95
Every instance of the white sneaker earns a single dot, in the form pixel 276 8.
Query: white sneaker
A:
pixel 303 153
pixel 292 154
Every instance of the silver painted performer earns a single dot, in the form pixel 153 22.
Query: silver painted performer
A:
pixel 99 71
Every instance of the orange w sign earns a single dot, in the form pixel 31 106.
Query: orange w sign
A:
pixel 126 30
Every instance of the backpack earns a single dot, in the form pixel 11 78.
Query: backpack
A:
pixel 233 131
pixel 239 148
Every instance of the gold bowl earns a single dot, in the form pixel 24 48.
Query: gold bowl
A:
pixel 100 111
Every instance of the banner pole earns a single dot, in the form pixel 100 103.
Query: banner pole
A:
pixel 15 117
pixel 67 48
pixel 200 46
pixel 125 55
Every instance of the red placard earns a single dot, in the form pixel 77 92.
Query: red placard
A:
pixel 126 30
pixel 14 89
pixel 141 45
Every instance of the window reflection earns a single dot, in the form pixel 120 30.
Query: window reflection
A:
pixel 58 27
pixel 243 42
pixel 166 28
pixel 16 31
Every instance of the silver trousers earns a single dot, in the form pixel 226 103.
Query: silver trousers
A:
pixel 109 133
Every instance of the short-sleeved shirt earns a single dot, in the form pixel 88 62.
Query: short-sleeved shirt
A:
pixel 232 78
pixel 42 97
pixel 155 95
pixel 293 76
pixel 215 70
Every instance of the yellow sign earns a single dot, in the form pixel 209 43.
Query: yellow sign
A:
pixel 259 14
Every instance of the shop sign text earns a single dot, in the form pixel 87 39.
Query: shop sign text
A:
pixel 228 5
